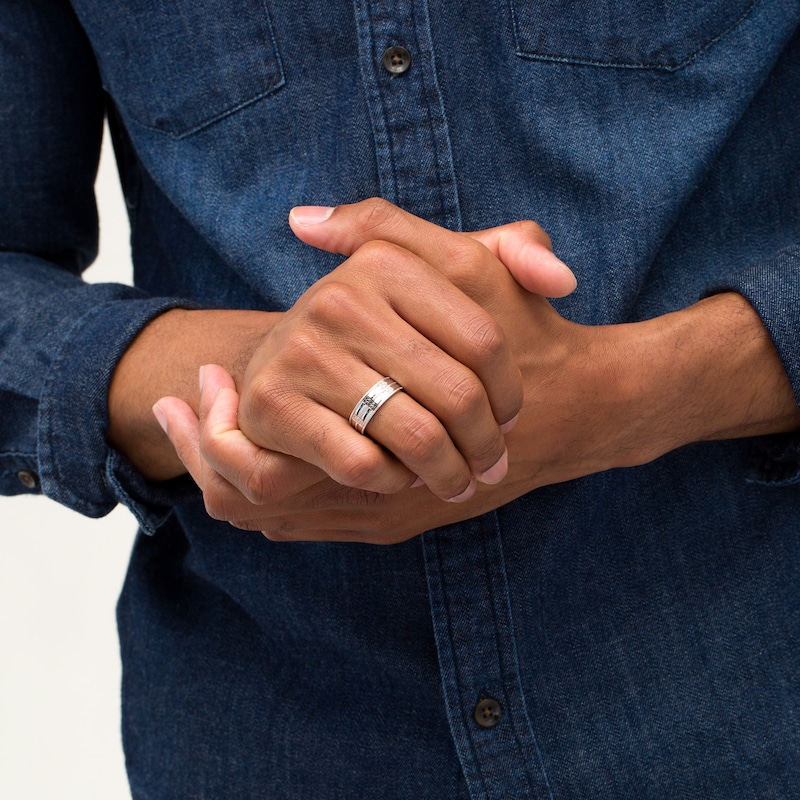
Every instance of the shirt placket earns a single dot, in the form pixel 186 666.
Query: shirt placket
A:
pixel 467 581
pixel 475 639
pixel 407 113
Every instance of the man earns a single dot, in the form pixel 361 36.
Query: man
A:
pixel 608 607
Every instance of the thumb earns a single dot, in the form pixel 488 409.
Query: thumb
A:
pixel 525 250
pixel 523 247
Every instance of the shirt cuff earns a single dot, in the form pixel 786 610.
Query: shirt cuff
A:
pixel 77 468
pixel 772 287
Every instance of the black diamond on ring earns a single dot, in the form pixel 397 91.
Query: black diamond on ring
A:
pixel 366 408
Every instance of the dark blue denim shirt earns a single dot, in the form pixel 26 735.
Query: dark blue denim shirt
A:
pixel 636 631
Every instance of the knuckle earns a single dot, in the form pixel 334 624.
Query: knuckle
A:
pixel 466 264
pixel 376 214
pixel 211 448
pixel 246 524
pixel 466 255
pixel 395 538
pixel 217 504
pixel 464 394
pixel 488 451
pixel 421 439
pixel 534 231
pixel 332 302
pixel 359 469
pixel 301 349
pixel 263 484
pixel 269 411
pixel 485 340
pixel 225 503
pixel 391 257
pixel 263 396
pixel 276 535
pixel 255 484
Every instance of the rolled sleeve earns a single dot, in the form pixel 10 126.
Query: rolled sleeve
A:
pixel 772 287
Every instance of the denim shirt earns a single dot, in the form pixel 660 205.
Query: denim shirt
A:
pixel 632 634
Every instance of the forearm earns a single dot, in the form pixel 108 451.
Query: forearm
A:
pixel 707 372
pixel 165 359
pixel 595 398
pixel 442 342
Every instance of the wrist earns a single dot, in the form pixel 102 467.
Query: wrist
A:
pixel 164 360
pixel 707 372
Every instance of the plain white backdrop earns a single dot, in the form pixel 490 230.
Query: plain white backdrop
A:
pixel 60 575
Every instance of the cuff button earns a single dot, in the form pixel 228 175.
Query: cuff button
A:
pixel 28 479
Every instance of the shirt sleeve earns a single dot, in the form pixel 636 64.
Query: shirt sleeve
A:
pixel 60 337
pixel 772 286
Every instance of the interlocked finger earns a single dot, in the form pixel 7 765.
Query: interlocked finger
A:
pixel 349 332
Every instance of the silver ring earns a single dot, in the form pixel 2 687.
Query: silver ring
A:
pixel 368 405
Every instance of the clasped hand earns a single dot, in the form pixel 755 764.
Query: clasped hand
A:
pixel 438 311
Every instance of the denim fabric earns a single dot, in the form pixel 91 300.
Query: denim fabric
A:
pixel 639 627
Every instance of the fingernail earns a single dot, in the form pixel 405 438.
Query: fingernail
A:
pixel 201 377
pixel 556 261
pixel 496 473
pixel 417 482
pixel 160 418
pixel 466 494
pixel 510 424
pixel 310 215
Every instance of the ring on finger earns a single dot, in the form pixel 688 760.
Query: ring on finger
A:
pixel 366 408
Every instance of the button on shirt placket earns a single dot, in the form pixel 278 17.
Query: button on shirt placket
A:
pixel 476 644
pixel 412 142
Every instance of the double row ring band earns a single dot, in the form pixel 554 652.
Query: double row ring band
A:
pixel 366 408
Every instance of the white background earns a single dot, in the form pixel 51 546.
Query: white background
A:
pixel 60 575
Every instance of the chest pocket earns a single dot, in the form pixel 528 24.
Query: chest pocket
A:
pixel 179 65
pixel 647 34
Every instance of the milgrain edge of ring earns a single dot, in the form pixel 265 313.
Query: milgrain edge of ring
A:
pixel 366 408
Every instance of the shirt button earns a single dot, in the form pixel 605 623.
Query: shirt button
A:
pixel 396 60
pixel 28 479
pixel 487 713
